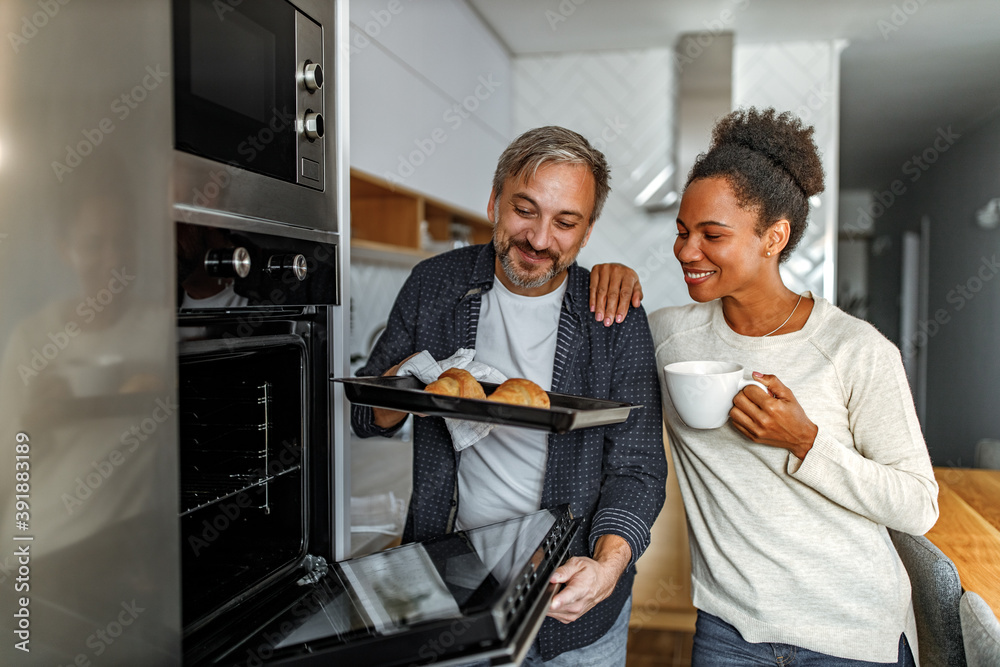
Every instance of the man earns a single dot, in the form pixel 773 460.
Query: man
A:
pixel 524 304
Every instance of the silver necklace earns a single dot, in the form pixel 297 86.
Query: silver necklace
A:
pixel 786 319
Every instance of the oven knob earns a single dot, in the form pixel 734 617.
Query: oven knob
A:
pixel 312 76
pixel 313 125
pixel 228 263
pixel 278 264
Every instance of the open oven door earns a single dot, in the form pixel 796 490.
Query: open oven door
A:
pixel 476 595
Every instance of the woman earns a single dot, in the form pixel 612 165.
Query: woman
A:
pixel 788 503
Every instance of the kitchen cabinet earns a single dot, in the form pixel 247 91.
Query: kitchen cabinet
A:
pixel 390 217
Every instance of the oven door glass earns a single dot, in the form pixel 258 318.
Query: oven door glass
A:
pixel 470 595
pixel 242 455
pixel 235 83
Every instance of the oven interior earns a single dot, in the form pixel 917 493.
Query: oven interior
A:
pixel 243 467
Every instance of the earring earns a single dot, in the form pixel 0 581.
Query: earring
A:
pixel 768 253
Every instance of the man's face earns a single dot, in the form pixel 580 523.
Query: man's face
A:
pixel 540 225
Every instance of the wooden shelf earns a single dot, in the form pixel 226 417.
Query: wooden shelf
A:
pixel 373 252
pixel 391 215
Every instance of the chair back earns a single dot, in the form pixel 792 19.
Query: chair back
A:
pixel 980 632
pixel 937 593
pixel 988 454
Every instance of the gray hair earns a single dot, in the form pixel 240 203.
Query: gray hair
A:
pixel 551 143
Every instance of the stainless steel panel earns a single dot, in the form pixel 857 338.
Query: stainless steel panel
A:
pixel 213 218
pixel 87 334
pixel 309 48
pixel 201 183
pixel 338 166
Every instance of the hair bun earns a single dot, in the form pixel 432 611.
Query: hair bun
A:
pixel 782 138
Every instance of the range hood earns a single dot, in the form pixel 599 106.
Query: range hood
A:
pixel 704 66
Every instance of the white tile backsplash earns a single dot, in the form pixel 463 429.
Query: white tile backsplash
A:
pixel 374 287
pixel 623 101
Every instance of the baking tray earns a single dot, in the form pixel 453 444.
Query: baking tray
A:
pixel 405 393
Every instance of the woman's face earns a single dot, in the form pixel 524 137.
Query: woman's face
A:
pixel 717 245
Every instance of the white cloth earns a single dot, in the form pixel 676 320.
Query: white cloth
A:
pixel 503 475
pixel 426 369
pixel 796 551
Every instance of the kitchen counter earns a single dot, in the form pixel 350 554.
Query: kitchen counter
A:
pixel 968 530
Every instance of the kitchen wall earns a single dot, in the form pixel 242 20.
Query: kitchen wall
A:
pixel 374 286
pixel 430 110
pixel 802 77
pixel 959 333
pixel 624 102
pixel 430 97
pixel 435 99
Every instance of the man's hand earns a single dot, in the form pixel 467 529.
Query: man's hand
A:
pixel 589 580
pixel 612 288
pixel 388 418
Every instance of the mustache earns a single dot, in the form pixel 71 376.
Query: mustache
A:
pixel 526 247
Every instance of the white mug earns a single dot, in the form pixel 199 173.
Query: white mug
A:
pixel 703 391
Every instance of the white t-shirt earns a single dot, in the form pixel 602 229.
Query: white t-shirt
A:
pixel 227 298
pixel 501 476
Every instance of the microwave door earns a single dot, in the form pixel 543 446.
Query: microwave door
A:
pixel 235 84
pixel 474 595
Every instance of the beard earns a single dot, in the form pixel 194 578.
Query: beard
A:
pixel 517 275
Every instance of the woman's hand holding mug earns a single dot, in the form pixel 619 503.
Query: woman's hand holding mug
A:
pixel 774 418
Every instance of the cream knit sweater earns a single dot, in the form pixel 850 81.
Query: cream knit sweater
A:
pixel 796 552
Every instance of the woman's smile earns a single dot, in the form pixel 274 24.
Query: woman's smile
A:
pixel 695 277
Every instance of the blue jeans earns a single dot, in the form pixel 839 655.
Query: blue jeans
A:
pixel 607 651
pixel 718 644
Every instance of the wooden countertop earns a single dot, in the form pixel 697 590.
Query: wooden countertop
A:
pixel 968 530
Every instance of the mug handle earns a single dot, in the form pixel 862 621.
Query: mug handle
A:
pixel 747 383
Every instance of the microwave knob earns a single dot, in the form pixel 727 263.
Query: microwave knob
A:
pixel 312 125
pixel 228 263
pixel 278 264
pixel 312 76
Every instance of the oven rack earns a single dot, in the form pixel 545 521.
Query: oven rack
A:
pixel 202 403
pixel 208 407
pixel 237 392
pixel 204 436
pixel 206 489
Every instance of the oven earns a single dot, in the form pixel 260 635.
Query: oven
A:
pixel 255 330
pixel 261 481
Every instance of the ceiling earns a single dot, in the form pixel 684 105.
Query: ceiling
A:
pixel 940 68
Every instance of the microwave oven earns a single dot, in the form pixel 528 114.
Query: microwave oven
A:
pixel 248 88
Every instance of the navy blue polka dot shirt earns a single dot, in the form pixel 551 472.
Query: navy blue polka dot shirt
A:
pixel 612 476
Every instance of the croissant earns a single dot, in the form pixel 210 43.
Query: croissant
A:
pixel 456 382
pixel 518 391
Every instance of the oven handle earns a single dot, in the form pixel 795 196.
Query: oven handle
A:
pixel 529 629
pixel 520 643
pixel 231 345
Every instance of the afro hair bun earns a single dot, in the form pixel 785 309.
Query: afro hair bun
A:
pixel 782 138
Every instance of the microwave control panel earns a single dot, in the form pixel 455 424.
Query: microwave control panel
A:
pixel 310 106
